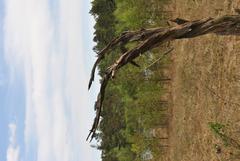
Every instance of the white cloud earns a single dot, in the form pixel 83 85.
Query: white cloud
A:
pixel 13 148
pixel 49 52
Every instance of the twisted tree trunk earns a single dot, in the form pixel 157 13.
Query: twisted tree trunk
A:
pixel 151 38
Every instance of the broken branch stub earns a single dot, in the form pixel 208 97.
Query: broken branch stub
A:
pixel 151 38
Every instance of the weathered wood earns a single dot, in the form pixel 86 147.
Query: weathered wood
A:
pixel 124 38
pixel 151 38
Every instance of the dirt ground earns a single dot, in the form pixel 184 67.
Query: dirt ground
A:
pixel 205 87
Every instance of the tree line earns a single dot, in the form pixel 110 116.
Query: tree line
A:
pixel 132 106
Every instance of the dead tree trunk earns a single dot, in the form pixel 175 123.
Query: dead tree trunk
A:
pixel 151 38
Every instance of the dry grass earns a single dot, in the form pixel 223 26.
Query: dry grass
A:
pixel 205 88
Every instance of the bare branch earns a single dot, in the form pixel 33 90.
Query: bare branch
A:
pixel 128 36
pixel 163 55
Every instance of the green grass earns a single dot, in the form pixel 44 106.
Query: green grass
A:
pixel 219 130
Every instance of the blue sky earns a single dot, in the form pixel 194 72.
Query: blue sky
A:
pixel 45 59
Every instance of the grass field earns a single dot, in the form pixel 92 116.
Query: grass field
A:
pixel 205 87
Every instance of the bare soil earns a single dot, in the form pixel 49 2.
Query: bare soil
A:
pixel 205 87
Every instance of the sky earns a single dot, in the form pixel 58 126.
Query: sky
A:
pixel 46 55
